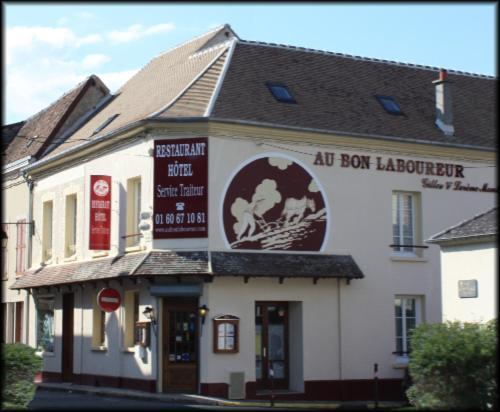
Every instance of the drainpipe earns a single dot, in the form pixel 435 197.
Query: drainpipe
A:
pixel 340 335
pixel 28 253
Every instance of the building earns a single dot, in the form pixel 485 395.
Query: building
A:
pixel 23 143
pixel 259 212
pixel 469 275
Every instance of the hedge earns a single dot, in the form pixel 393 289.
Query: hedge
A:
pixel 453 366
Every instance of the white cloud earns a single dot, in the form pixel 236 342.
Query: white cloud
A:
pixel 92 61
pixel 136 31
pixel 89 39
pixel 115 80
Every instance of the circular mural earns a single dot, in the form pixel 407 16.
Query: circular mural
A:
pixel 273 203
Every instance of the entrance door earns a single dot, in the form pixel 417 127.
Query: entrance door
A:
pixel 271 345
pixel 180 345
pixel 19 322
pixel 67 338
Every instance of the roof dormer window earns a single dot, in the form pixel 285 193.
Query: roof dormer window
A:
pixel 281 92
pixel 389 104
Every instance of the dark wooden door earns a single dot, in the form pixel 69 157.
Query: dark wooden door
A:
pixel 180 345
pixel 67 337
pixel 19 322
pixel 271 345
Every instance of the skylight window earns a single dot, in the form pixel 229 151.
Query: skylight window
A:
pixel 389 104
pixel 106 123
pixel 280 92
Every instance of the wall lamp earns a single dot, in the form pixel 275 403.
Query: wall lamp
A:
pixel 202 311
pixel 149 313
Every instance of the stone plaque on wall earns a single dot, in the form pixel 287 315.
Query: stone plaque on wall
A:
pixel 467 288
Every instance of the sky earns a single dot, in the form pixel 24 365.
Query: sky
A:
pixel 50 47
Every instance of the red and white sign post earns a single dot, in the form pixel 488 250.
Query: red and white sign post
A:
pixel 109 299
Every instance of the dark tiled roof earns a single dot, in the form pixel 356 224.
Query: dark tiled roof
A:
pixel 284 265
pixel 42 128
pixel 193 263
pixel 80 272
pixel 484 224
pixel 9 132
pixel 336 93
pixel 170 263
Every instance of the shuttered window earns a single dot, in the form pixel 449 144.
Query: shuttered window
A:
pixel 21 246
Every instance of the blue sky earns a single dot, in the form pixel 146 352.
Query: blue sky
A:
pixel 50 47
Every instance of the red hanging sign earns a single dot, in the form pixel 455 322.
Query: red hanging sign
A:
pixel 109 299
pixel 100 212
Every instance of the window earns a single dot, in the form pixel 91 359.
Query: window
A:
pixel 70 227
pixel 408 316
pixel 406 231
pixel 280 92
pixel 389 104
pixel 47 231
pixel 131 317
pixel 19 322
pixel 20 246
pixel 133 211
pixel 45 324
pixel 98 326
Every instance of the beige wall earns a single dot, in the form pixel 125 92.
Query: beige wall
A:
pixel 360 224
pixel 467 262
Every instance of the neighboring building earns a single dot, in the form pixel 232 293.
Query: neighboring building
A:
pixel 23 143
pixel 469 272
pixel 287 191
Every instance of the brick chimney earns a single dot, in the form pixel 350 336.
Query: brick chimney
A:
pixel 444 114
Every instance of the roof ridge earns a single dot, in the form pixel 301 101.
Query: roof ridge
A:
pixel 463 222
pixel 372 59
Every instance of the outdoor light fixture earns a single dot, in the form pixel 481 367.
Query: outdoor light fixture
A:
pixel 150 314
pixel 202 311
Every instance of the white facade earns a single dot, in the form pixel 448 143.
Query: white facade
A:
pixel 337 331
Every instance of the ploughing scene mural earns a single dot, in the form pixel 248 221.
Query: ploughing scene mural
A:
pixel 274 203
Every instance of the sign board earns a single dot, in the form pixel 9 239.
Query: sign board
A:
pixel 109 299
pixel 467 288
pixel 100 212
pixel 180 188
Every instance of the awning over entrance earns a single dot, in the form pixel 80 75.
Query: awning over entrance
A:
pixel 170 263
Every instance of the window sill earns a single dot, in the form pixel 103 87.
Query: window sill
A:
pixel 71 258
pixel 129 350
pixel 400 361
pixel 99 349
pixel 99 254
pixel 46 354
pixel 131 249
pixel 403 258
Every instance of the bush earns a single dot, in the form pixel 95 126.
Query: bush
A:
pixel 20 366
pixel 453 366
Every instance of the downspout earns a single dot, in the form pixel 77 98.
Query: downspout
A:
pixel 28 257
pixel 339 320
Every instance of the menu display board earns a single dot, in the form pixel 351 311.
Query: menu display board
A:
pixel 180 188
pixel 100 212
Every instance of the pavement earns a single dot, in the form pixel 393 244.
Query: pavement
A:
pixel 72 396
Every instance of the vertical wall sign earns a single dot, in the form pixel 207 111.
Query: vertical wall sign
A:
pixel 100 212
pixel 274 202
pixel 180 188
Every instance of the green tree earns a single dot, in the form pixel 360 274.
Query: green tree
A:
pixel 453 366
pixel 20 366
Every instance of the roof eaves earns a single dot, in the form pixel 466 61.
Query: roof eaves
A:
pixel 220 80
pixel 478 237
pixel 345 133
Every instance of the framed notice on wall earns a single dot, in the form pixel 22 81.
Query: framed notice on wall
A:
pixel 100 212
pixel 180 188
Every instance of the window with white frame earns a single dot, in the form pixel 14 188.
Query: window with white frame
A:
pixel 406 231
pixel 70 226
pixel 131 317
pixel 133 211
pixel 98 326
pixel 408 315
pixel 47 231
pixel 45 324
